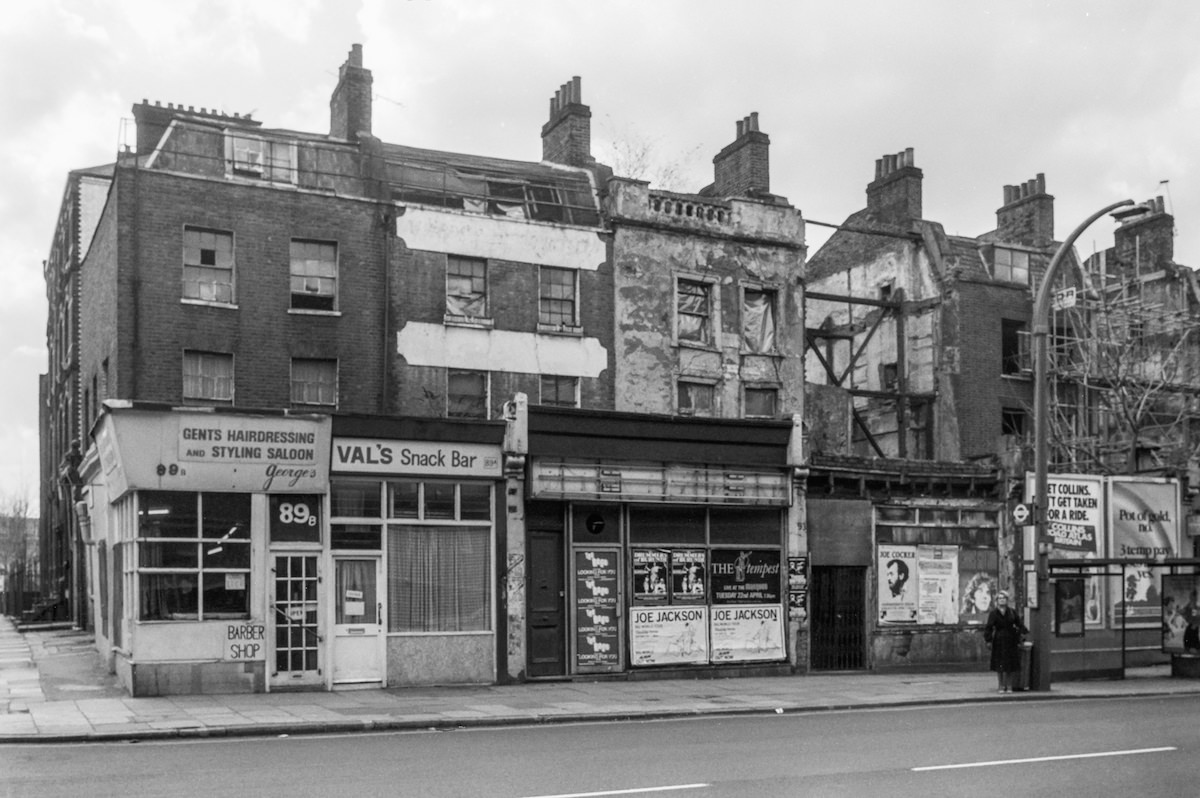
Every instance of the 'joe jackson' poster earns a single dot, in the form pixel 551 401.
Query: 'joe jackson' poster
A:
pixel 668 635
pixel 747 632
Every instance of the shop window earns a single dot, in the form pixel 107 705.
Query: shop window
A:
pixel 193 556
pixel 208 265
pixel 557 297
pixel 466 288
pixel 662 525
pixel 761 402
pixel 356 537
pixel 758 320
pixel 467 394
pixel 314 275
pixel 207 376
pixel 742 526
pixel 696 398
pixel 438 578
pixel 355 499
pixel 439 564
pixel 693 312
pixel 557 391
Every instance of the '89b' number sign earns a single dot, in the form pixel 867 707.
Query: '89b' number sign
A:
pixel 296 518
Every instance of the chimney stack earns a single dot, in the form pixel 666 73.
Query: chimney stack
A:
pixel 350 105
pixel 1147 241
pixel 744 168
pixel 895 193
pixel 1027 216
pixel 567 136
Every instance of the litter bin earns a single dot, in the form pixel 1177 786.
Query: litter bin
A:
pixel 1024 676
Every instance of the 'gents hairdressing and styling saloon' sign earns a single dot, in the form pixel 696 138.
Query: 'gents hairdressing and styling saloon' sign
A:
pixel 428 458
pixel 199 450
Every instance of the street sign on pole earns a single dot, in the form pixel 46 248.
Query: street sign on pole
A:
pixel 1020 514
pixel 1064 298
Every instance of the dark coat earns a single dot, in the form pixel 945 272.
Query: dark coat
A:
pixel 1003 632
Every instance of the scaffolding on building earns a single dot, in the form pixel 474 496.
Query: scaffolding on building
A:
pixel 1124 369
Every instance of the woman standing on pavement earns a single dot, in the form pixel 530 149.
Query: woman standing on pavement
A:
pixel 1003 633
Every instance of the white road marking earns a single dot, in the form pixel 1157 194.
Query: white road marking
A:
pixel 1047 758
pixel 635 790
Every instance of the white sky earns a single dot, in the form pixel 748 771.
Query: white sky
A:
pixel 1103 97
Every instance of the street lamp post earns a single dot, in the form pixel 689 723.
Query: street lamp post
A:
pixel 1040 613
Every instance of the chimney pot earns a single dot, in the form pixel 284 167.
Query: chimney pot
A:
pixel 1041 183
pixel 754 120
pixel 740 125
pixel 576 89
pixel 878 168
pixel 355 58
pixel 909 158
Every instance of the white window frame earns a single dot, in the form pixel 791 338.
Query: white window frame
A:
pixel 306 386
pixel 202 360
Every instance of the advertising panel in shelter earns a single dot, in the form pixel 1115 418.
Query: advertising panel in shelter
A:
pixel 1181 613
pixel 1075 520
pixel 1143 525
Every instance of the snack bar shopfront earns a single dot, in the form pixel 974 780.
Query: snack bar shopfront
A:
pixel 656 544
pixel 203 530
pixel 414 524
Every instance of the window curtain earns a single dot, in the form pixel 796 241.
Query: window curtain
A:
pixel 758 322
pixel 357 576
pixel 438 579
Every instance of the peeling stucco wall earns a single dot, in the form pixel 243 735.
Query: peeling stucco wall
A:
pixel 519 240
pixel 732 246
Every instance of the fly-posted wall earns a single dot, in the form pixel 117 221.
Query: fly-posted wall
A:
pixel 672 558
pixel 182 508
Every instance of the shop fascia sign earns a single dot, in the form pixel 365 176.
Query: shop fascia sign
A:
pixel 196 450
pixel 436 458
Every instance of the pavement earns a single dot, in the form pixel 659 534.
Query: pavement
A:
pixel 54 688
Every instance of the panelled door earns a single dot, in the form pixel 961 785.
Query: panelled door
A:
pixel 837 603
pixel 295 613
pixel 358 622
pixel 546 598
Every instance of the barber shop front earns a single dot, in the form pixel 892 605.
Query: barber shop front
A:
pixel 656 546
pixel 203 531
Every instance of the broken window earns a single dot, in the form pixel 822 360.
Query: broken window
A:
pixel 559 391
pixel 255 157
pixel 207 265
pixel 1012 360
pixel 693 312
pixel 1012 422
pixel 758 320
pixel 761 402
pixel 696 398
pixel 313 275
pixel 466 394
pixel 567 199
pixel 466 287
